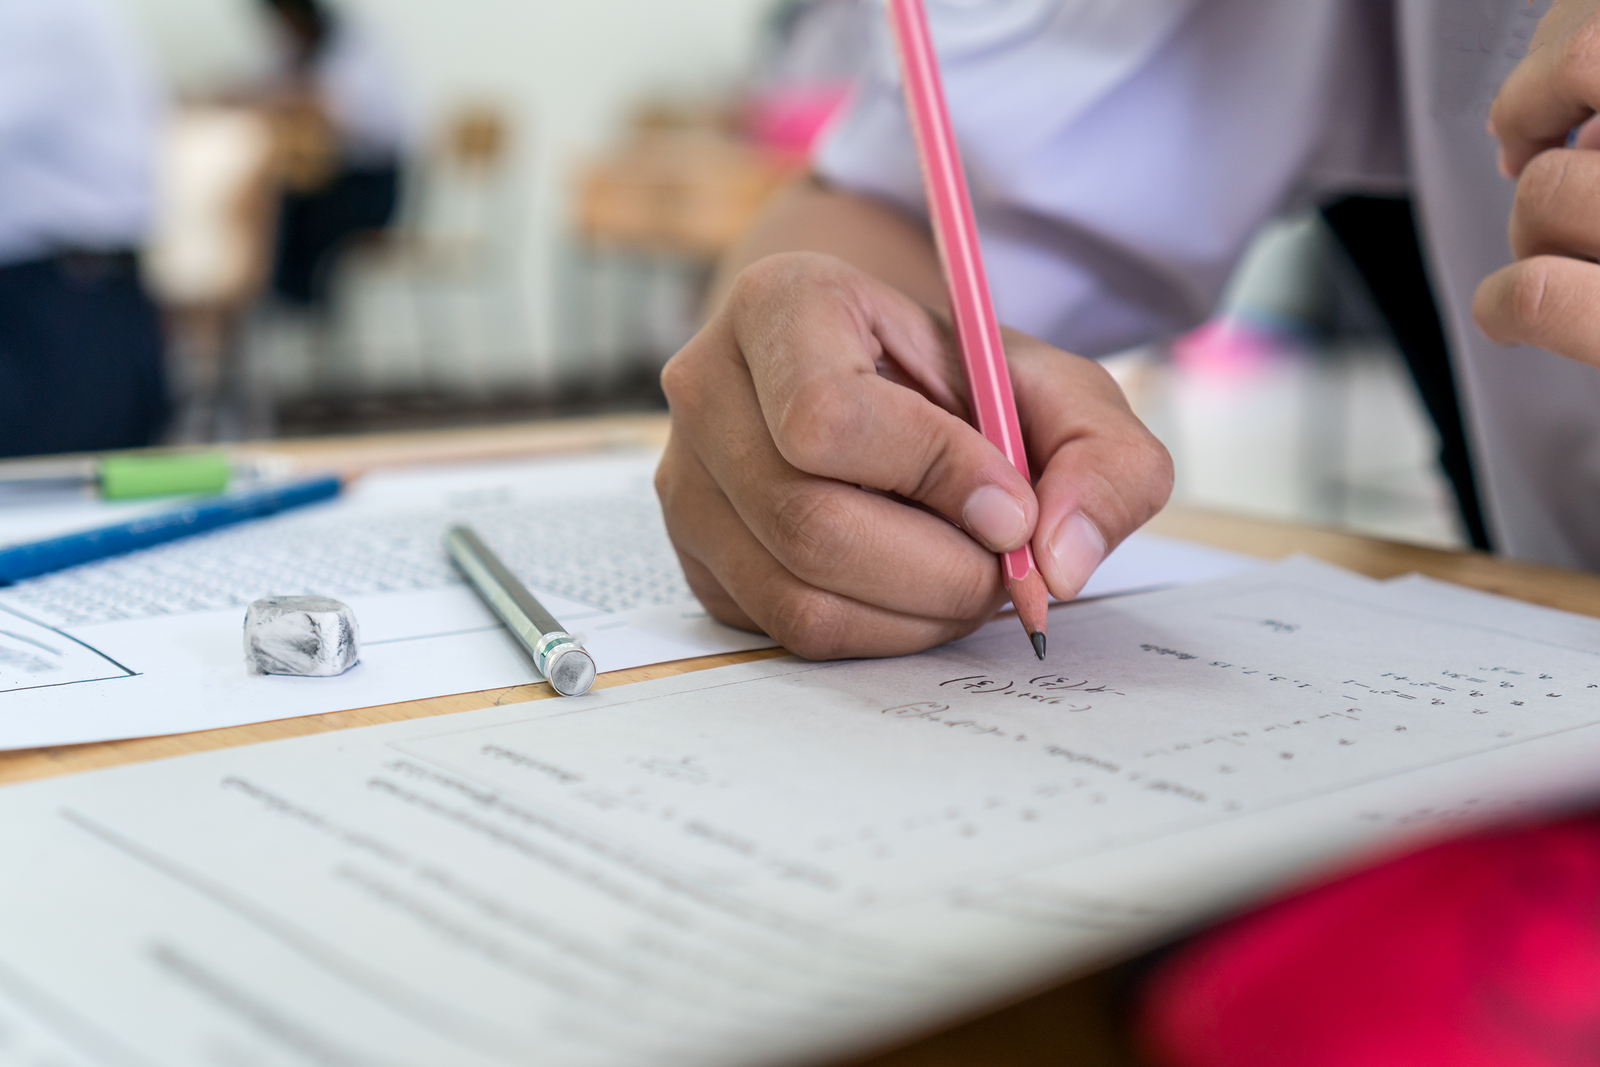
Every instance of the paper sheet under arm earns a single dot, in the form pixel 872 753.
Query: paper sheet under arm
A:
pixel 782 861
pixel 150 643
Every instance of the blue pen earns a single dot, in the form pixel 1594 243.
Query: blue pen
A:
pixel 41 557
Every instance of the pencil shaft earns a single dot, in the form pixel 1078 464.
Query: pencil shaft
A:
pixel 496 578
pixel 956 234
pixel 557 654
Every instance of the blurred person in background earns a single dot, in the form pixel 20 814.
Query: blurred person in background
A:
pixel 80 340
pixel 345 128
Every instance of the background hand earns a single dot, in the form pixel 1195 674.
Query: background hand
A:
pixel 1550 297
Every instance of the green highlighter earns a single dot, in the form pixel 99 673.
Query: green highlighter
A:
pixel 132 476
pixel 182 474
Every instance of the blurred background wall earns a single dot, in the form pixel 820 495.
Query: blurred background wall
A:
pixel 564 76
pixel 571 172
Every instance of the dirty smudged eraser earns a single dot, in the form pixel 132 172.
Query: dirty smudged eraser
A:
pixel 312 636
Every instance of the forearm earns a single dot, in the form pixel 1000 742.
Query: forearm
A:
pixel 811 216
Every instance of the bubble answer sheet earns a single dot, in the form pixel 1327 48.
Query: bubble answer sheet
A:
pixel 152 642
pixel 778 862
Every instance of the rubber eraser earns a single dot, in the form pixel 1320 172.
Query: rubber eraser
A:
pixel 310 636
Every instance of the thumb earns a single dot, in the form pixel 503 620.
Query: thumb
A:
pixel 1104 475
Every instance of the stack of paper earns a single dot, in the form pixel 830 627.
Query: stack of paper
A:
pixel 779 862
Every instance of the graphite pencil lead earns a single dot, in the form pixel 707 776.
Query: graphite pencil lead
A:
pixel 1032 599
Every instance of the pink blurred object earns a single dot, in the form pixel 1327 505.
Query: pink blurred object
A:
pixel 790 119
pixel 1231 347
pixel 1482 952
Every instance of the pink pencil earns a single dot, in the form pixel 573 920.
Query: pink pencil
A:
pixel 977 329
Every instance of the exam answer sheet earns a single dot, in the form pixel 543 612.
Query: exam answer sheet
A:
pixel 152 642
pixel 777 862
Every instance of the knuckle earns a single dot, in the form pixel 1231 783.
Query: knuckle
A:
pixel 783 296
pixel 1525 295
pixel 809 623
pixel 783 276
pixel 813 532
pixel 1155 462
pixel 814 426
pixel 756 283
pixel 1134 486
pixel 681 381
pixel 1102 378
pixel 936 461
pixel 975 594
pixel 1582 51
pixel 686 495
pixel 769 275
pixel 1539 188
pixel 1143 472
pixel 667 483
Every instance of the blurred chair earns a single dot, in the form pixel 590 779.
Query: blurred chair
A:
pixel 690 193
pixel 208 261
pixel 652 219
pixel 453 251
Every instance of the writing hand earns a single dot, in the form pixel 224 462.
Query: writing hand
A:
pixel 821 483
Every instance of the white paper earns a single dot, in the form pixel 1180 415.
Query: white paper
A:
pixel 1151 561
pixel 152 641
pixel 37 657
pixel 35 516
pixel 782 861
pixel 156 636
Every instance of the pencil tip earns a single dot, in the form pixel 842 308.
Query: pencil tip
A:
pixel 1038 644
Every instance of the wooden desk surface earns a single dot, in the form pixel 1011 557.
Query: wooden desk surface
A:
pixel 1069 1024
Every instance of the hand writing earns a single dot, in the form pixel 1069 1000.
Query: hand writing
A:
pixel 822 483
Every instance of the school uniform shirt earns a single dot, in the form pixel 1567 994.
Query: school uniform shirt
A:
pixel 361 87
pixel 1123 153
pixel 79 118
pixel 365 95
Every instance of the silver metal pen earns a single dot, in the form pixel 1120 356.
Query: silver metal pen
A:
pixel 555 652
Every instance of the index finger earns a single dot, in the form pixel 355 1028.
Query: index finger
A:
pixel 832 413
pixel 1553 90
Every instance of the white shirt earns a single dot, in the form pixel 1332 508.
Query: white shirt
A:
pixel 361 88
pixel 79 118
pixel 364 94
pixel 1122 153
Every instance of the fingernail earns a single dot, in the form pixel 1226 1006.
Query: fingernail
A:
pixel 994 517
pixel 1076 549
pixel 1503 163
